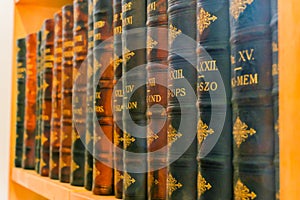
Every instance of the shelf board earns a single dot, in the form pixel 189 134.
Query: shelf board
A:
pixel 52 189
pixel 48 3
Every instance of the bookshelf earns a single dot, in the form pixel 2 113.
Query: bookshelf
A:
pixel 27 185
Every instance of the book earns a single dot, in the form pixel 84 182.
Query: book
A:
pixel 21 81
pixel 67 86
pixel 134 99
pixel 275 91
pixel 56 98
pixel 89 159
pixel 103 82
pixel 28 157
pixel 181 110
pixel 214 126
pixel 118 100
pixel 251 72
pixel 38 110
pixel 48 41
pixel 157 96
pixel 80 41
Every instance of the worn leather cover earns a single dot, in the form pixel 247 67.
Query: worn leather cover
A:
pixel 67 86
pixel 213 67
pixel 28 157
pixel 253 128
pixel 21 81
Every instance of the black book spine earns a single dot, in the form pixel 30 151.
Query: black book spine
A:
pixel 118 99
pixel 251 72
pixel 48 45
pixel 157 96
pixel 103 82
pixel 88 182
pixel 275 90
pixel 67 87
pixel 21 83
pixel 134 99
pixel 80 39
pixel 181 111
pixel 56 99
pixel 214 101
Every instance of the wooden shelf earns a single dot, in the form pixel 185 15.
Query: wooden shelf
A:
pixel 52 189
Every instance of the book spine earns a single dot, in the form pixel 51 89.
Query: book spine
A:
pixel 56 98
pixel 88 184
pixel 21 83
pixel 48 34
pixel 253 130
pixel 103 81
pixel 80 38
pixel 214 101
pixel 275 90
pixel 118 99
pixel 67 85
pixel 134 99
pixel 28 160
pixel 157 96
pixel 38 103
pixel 182 111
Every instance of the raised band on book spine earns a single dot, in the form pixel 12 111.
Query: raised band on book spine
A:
pixel 21 86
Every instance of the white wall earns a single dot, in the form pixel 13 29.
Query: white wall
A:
pixel 6 42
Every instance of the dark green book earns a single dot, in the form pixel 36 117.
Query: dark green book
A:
pixel 21 80
pixel 214 100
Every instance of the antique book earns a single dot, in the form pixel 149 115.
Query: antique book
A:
pixel 157 96
pixel 275 90
pixel 38 110
pixel 21 81
pixel 88 180
pixel 48 58
pixel 252 115
pixel 66 99
pixel 56 98
pixel 134 99
pixel 118 99
pixel 80 42
pixel 103 82
pixel 181 110
pixel 214 157
pixel 28 157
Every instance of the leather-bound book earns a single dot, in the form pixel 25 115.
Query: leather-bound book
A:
pixel 134 100
pixel 103 82
pixel 80 39
pixel 157 96
pixel 118 100
pixel 66 99
pixel 275 90
pixel 88 180
pixel 182 111
pixel 21 81
pixel 28 158
pixel 56 98
pixel 214 179
pixel 38 110
pixel 251 73
pixel 48 41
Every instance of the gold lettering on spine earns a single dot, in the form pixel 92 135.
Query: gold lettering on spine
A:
pixel 99 24
pixel 127 21
pixel 203 131
pixel 151 7
pixel 238 6
pixel 203 185
pixel 242 192
pixel 247 79
pixel 240 132
pixel 204 20
pixel 173 135
pixel 173 33
pixel 172 185
pixel 128 180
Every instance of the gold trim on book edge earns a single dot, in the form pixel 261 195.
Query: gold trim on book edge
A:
pixel 75 166
pixel 152 181
pixel 203 185
pixel 203 131
pixel 240 132
pixel 173 33
pixel 276 127
pixel 127 140
pixel 151 43
pixel 242 192
pixel 173 135
pixel 204 20
pixel 128 180
pixel 128 54
pixel 238 6
pixel 172 185
pixel 151 136
pixel 117 61
pixel 117 138
pixel 119 177
pixel 44 139
pixel 277 195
